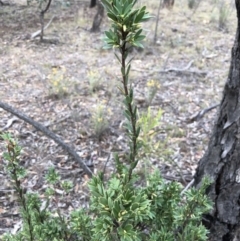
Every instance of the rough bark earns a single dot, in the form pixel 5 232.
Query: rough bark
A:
pixel 93 3
pixel 221 161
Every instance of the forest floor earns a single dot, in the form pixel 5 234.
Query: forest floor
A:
pixel 70 86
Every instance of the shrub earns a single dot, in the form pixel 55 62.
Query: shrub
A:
pixel 99 119
pixel 58 83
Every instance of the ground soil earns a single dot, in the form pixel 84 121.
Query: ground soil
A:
pixel 64 81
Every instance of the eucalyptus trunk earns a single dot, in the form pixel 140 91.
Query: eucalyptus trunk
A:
pixel 221 161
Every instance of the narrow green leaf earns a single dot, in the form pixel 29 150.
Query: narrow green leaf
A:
pixel 138 33
pixel 110 203
pixel 138 44
pixel 128 69
pixel 118 58
pixel 129 99
pixel 139 17
pixel 146 17
pixel 109 34
pixel 127 115
pixel 138 131
pixel 139 38
pixel 112 16
pixel 103 201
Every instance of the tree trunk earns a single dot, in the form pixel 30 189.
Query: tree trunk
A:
pixel 168 3
pixel 98 17
pixel 42 26
pixel 221 161
pixel 93 3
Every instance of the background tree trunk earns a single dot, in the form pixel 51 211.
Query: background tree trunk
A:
pixel 98 17
pixel 168 3
pixel 93 3
pixel 221 161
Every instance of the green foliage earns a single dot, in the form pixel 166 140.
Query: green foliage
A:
pixel 125 33
pixel 38 222
pixel 95 81
pixel 152 87
pixel 58 83
pixel 120 209
pixel 99 119
pixel 177 216
pixel 149 122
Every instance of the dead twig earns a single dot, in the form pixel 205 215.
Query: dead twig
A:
pixel 187 187
pixel 184 70
pixel 200 114
pixel 9 123
pixel 37 33
pixel 47 133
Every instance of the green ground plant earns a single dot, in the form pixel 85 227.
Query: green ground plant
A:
pixel 120 209
pixel 152 88
pixel 95 81
pixel 39 222
pixel 99 119
pixel 58 83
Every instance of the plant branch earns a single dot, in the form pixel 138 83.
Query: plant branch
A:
pixel 130 107
pixel 47 133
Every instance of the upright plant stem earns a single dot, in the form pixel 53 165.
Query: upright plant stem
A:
pixel 12 153
pixel 129 105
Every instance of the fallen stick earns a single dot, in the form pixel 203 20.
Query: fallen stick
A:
pixel 47 133
pixel 37 33
pixel 184 70
pixel 200 114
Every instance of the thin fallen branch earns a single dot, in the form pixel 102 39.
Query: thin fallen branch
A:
pixel 37 33
pixel 9 123
pixel 208 56
pixel 184 70
pixel 200 114
pixel 47 133
pixel 187 187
